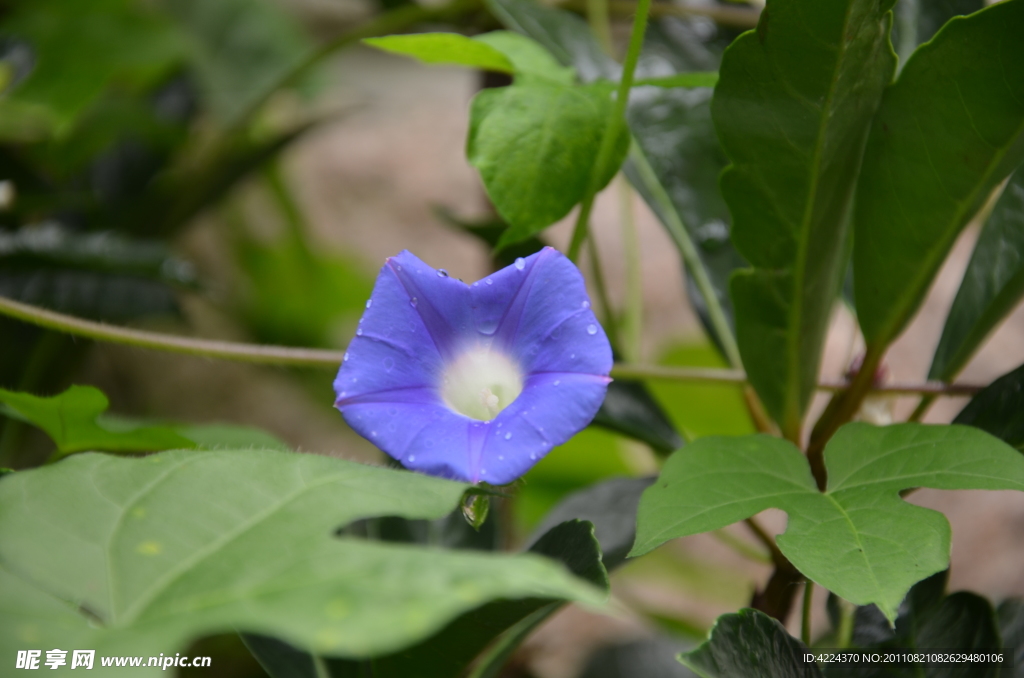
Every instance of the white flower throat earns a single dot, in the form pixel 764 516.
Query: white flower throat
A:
pixel 480 383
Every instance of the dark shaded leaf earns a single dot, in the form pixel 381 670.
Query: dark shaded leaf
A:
pixel 630 409
pixel 565 35
pixel 279 659
pixel 751 644
pixel 793 107
pixel 646 658
pixel 611 507
pixel 992 285
pixel 489 231
pixel 999 409
pixel 948 131
pixel 1010 614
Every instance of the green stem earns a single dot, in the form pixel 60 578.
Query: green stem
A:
pixel 922 407
pixel 611 324
pixel 616 121
pixel 847 615
pixel 688 251
pixel 632 322
pixel 311 357
pixel 600 24
pixel 805 619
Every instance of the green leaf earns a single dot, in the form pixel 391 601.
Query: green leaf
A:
pixel 534 145
pixel 82 48
pixel 610 506
pixel 451 650
pixel 566 36
pixel 792 108
pixel 858 539
pixel 445 48
pixel 181 544
pixel 72 420
pixel 240 50
pixel 917 21
pixel 997 409
pixel 630 409
pixel 707 79
pixel 528 57
pixel 1010 614
pixel 992 284
pixel 749 643
pixel 948 131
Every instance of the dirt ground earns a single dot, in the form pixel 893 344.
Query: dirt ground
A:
pixel 369 184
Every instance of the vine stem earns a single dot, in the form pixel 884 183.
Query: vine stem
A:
pixel 616 121
pixel 289 356
pixel 805 619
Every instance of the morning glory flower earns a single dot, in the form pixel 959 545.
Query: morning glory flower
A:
pixel 474 382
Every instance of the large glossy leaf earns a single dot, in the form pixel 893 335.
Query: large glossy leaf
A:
pixel 80 49
pixel 999 409
pixel 534 145
pixel 154 552
pixel 792 108
pixel 749 643
pixel 858 538
pixel 992 284
pixel 240 49
pixel 948 131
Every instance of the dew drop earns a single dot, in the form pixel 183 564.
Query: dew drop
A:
pixel 591 329
pixel 483 471
pixel 572 357
pixel 369 303
pixel 415 301
pixel 489 281
pixel 520 263
pixel 487 326
pixel 586 304
pixel 398 267
pixel 389 363
pixel 533 455
pixel 557 382
pixel 412 457
pixel 508 436
pixel 359 332
pixel 501 458
pixel 346 357
pixel 441 273
pixel 373 433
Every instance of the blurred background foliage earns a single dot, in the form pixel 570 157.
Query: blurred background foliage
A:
pixel 126 125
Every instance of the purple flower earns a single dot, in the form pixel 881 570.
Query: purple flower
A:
pixel 474 382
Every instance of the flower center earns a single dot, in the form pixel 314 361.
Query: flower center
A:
pixel 480 383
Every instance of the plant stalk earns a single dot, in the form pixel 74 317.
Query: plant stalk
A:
pixel 616 121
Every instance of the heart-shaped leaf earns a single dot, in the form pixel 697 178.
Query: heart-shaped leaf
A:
pixel 858 538
pixel 139 556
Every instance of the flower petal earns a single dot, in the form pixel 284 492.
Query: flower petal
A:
pixel 552 408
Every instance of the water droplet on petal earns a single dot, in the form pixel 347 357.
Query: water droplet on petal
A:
pixel 573 356
pixel 586 304
pixel 487 326
pixel 346 357
pixel 520 263
pixel 489 281
pixel 412 457
pixel 591 329
pixel 359 332
pixel 557 382
pixel 508 436
pixel 501 458
pixel 415 301
pixel 373 433
pixel 369 303
pixel 398 267
pixel 389 363
pixel 533 455
pixel 441 273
